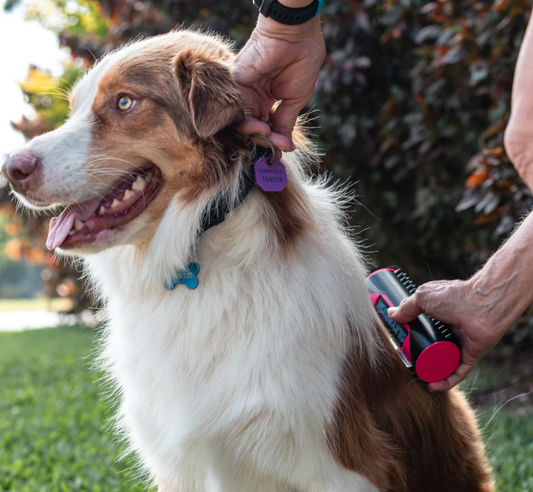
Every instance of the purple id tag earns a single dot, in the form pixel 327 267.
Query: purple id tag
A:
pixel 270 177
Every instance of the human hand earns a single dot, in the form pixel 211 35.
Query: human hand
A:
pixel 477 319
pixel 279 62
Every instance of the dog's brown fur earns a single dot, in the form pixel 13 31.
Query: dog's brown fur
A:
pixel 401 437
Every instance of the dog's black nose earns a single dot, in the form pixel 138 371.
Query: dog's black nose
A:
pixel 19 170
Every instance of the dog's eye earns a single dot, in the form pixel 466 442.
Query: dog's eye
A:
pixel 125 103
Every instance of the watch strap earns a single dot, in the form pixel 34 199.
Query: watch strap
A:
pixel 287 15
pixel 320 4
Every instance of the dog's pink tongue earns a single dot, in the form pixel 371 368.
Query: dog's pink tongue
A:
pixel 62 225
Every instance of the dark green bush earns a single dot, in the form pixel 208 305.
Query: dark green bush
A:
pixel 412 101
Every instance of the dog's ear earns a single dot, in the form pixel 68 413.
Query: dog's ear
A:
pixel 208 91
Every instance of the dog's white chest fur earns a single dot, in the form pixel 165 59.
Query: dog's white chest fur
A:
pixel 236 379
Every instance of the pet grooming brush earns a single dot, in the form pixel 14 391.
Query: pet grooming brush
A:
pixel 427 346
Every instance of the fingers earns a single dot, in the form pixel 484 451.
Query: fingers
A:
pixel 254 126
pixel 459 375
pixel 407 311
pixel 281 142
pixel 444 300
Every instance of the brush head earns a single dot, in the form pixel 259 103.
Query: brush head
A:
pixel 428 347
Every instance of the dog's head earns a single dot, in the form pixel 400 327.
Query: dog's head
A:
pixel 153 119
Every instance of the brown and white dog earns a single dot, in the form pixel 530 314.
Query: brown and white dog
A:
pixel 273 375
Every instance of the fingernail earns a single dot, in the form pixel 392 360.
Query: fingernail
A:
pixel 391 310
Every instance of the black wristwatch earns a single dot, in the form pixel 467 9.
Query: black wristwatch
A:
pixel 287 15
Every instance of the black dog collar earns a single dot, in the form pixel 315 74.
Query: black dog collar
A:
pixel 215 213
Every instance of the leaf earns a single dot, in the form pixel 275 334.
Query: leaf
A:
pixel 479 71
pixel 500 5
pixel 429 7
pixel 363 21
pixel 491 205
pixel 484 201
pixel 470 199
pixel 484 219
pixel 477 179
pixel 496 152
pixel 505 226
pixel 455 55
pixel 427 33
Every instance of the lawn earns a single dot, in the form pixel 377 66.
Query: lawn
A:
pixel 53 418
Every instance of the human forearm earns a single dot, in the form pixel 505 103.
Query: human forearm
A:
pixel 503 287
pixel 522 101
pixel 519 133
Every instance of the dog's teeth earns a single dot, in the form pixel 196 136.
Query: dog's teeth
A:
pixel 115 203
pixel 101 211
pixel 71 233
pixel 139 185
pixel 78 224
pixel 128 194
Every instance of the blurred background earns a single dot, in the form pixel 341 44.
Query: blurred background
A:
pixel 410 107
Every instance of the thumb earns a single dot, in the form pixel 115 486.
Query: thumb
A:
pixel 459 375
pixel 407 310
pixel 286 115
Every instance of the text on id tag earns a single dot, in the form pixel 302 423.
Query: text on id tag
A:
pixel 270 177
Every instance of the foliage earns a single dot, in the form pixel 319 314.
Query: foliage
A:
pixel 52 417
pixel 48 95
pixel 510 447
pixel 417 97
pixel 413 100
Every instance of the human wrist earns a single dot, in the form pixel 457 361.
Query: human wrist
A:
pixel 272 29
pixel 499 292
pixel 295 4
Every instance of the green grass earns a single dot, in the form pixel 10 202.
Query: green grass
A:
pixel 509 440
pixel 35 304
pixel 53 418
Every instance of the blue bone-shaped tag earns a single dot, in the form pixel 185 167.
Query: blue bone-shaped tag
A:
pixel 187 277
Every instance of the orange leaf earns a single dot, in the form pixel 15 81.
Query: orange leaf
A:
pixel 500 5
pixel 477 179
pixel 487 218
pixel 496 152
